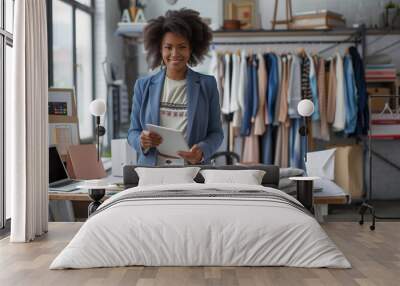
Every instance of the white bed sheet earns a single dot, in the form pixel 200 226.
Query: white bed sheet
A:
pixel 200 231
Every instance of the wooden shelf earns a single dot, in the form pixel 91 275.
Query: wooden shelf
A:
pixel 299 33
pixel 134 31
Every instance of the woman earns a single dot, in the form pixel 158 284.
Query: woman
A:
pixel 176 97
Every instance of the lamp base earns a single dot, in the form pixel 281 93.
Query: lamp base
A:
pixel 96 195
pixel 303 130
pixel 305 193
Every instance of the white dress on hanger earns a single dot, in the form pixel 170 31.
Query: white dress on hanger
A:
pixel 237 116
pixel 227 86
pixel 234 104
pixel 340 113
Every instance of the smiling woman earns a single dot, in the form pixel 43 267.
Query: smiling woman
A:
pixel 176 97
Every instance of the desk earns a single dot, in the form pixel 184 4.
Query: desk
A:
pixel 80 196
pixel 67 206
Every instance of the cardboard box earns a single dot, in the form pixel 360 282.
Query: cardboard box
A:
pixel 378 103
pixel 317 20
pixel 349 171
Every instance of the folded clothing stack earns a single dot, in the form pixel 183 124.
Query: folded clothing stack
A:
pixel 380 73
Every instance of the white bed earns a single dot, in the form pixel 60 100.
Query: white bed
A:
pixel 224 225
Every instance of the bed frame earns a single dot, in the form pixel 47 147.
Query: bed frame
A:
pixel 270 179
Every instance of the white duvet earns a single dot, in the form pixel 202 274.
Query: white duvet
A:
pixel 190 231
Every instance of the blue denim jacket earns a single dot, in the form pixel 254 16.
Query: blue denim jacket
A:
pixel 204 119
pixel 363 112
pixel 273 84
pixel 351 96
pixel 251 96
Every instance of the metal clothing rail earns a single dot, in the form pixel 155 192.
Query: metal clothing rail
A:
pixel 358 37
pixel 282 42
pixel 365 205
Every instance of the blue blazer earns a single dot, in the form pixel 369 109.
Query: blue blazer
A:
pixel 204 121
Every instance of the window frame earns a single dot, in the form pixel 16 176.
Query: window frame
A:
pixel 90 10
pixel 6 39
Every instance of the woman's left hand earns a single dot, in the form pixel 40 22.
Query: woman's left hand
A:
pixel 194 156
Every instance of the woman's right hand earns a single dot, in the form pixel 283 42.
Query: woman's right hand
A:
pixel 149 139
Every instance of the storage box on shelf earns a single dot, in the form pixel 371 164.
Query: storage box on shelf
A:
pixel 384 106
pixel 317 20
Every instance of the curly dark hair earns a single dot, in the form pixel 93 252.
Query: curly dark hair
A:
pixel 184 22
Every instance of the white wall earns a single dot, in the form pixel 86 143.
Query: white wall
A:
pixel 207 8
pixel 355 11
pixel 108 46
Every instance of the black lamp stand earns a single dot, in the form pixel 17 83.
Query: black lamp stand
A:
pixel 303 130
pixel 100 131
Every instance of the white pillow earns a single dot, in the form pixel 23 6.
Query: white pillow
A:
pixel 166 176
pixel 248 177
pixel 321 164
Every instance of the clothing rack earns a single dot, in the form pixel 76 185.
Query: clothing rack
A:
pixel 366 206
pixel 338 42
pixel 357 38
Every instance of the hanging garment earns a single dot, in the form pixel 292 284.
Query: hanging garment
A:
pixel 351 96
pixel 215 71
pixel 272 89
pixel 305 78
pixel 251 150
pixel 227 85
pixel 340 113
pixel 234 101
pixel 221 75
pixel 295 145
pixel 331 104
pixel 363 112
pixel 283 115
pixel 323 104
pixel 278 146
pixel 285 144
pixel 259 124
pixel 254 98
pixel 268 141
pixel 248 101
pixel 283 100
pixel 238 114
pixel 316 124
pixel 276 112
pixel 294 89
pixel 313 87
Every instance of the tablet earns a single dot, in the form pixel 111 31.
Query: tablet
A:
pixel 173 140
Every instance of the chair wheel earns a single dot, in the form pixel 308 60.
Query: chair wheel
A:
pixel 361 222
pixel 372 227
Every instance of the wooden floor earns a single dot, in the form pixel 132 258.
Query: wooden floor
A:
pixel 375 257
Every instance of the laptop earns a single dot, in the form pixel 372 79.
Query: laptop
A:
pixel 58 176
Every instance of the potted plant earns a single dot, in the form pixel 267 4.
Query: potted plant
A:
pixel 391 13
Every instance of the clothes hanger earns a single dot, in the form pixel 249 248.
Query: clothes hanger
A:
pixel 386 108
pixel 301 52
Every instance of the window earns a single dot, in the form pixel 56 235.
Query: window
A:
pixel 6 43
pixel 71 55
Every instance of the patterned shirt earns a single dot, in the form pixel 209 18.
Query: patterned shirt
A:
pixel 173 112
pixel 173 105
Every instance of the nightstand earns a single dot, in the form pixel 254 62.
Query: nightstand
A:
pixel 305 190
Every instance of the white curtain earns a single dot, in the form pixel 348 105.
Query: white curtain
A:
pixel 26 123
